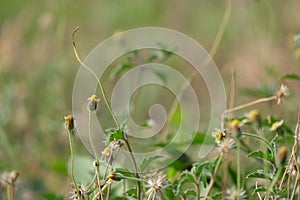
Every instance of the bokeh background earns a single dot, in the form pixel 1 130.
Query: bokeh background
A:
pixel 38 67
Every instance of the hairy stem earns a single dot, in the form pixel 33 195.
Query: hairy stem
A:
pixel 72 162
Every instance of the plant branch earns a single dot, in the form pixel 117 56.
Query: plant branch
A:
pixel 95 76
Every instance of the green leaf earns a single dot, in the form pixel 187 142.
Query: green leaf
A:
pixel 261 173
pixel 261 155
pixel 290 76
pixel 119 69
pixel 131 192
pixel 198 168
pixel 259 189
pixel 202 138
pixel 116 134
pixel 51 196
pixel 147 161
pixel 124 172
pixel 185 177
pixel 190 192
pixel 170 192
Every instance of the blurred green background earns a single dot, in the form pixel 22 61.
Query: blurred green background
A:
pixel 37 66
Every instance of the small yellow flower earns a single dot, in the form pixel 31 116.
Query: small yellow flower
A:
pixel 276 125
pixel 282 154
pixel 92 102
pixel 253 114
pixel 235 123
pixel 69 122
pixel 219 135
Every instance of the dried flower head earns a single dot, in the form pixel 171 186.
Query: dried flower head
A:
pixel 219 135
pixel 226 145
pixel 92 102
pixel 232 194
pixel 69 122
pixel 115 176
pixel 156 183
pixel 8 178
pixel 277 125
pixel 282 93
pixel 82 192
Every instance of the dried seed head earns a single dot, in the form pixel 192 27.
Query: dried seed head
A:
pixel 13 176
pixel 282 93
pixel 115 176
pixel 69 122
pixel 156 183
pixel 82 192
pixel 226 145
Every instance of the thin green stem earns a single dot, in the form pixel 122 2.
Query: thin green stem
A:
pixel 138 190
pixel 91 135
pixel 96 77
pixel 212 178
pixel 259 138
pixel 274 181
pixel 8 191
pixel 72 162
pixel 95 152
pixel 238 160
pixel 197 190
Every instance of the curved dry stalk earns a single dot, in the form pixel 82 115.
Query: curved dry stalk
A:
pixel 94 75
pixel 292 162
pixel 250 104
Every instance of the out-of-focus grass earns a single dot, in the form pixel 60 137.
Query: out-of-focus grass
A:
pixel 37 66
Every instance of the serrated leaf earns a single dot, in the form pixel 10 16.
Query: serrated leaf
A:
pixel 261 173
pixel 190 192
pixel 259 189
pixel 261 155
pixel 199 167
pixel 290 76
pixel 147 161
pixel 131 192
pixel 124 172
pixel 185 177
